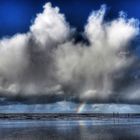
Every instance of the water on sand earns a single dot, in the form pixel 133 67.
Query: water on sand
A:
pixel 123 129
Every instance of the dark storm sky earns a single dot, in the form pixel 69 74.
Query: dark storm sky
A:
pixel 17 15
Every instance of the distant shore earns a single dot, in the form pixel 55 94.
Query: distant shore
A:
pixel 64 116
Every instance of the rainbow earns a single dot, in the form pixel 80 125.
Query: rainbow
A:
pixel 81 108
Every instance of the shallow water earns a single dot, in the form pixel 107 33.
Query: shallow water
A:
pixel 124 129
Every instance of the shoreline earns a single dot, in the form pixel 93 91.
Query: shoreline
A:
pixel 65 116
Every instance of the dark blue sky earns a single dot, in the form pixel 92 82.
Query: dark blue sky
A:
pixel 17 15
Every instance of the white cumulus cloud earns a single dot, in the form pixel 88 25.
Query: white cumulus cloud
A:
pixel 46 62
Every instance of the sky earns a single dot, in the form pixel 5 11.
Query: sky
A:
pixel 81 54
pixel 17 16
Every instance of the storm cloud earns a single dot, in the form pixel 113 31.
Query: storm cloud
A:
pixel 46 64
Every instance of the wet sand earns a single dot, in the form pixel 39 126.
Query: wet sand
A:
pixel 95 129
